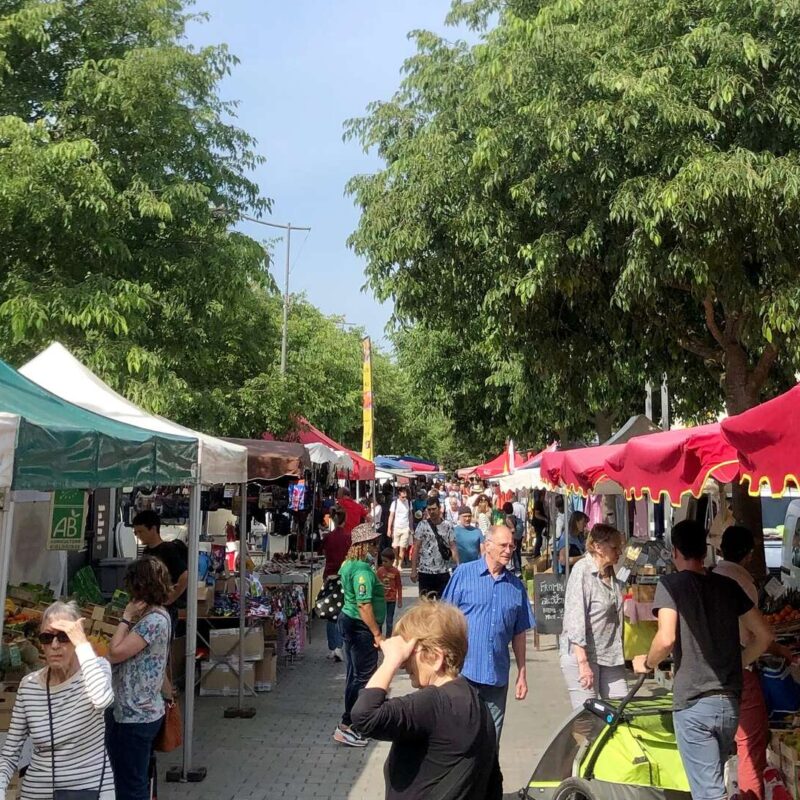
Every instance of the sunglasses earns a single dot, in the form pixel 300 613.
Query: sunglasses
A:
pixel 47 638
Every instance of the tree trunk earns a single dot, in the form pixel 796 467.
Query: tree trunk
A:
pixel 741 394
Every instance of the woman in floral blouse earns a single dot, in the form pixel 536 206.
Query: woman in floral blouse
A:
pixel 139 651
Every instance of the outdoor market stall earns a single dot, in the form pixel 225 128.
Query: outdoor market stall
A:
pixel 272 462
pixel 50 445
pixel 218 462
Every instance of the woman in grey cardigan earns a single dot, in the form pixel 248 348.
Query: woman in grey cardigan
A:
pixel 591 641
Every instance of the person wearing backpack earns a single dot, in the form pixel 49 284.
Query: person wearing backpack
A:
pixel 434 549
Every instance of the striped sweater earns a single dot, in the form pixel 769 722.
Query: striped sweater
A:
pixel 78 731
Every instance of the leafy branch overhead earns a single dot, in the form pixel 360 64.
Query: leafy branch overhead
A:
pixel 600 192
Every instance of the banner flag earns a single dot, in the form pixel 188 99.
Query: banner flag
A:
pixel 369 420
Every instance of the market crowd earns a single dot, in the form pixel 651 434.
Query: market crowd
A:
pixel 461 543
pixel 92 723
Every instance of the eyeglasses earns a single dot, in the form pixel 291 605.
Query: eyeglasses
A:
pixel 47 638
pixel 509 546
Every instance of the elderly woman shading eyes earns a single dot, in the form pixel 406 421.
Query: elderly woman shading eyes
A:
pixel 61 708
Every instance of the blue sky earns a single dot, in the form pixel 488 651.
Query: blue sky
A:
pixel 306 66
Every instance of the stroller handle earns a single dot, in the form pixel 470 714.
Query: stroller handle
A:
pixel 608 712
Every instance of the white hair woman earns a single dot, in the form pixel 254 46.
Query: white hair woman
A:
pixel 61 707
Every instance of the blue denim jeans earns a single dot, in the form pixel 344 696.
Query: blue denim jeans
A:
pixel 334 637
pixel 705 733
pixel 495 699
pixel 130 746
pixel 389 621
pixel 361 657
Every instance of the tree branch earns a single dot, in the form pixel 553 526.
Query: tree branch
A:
pixel 705 352
pixel 711 322
pixel 759 375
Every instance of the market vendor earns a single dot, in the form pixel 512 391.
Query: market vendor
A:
pixel 174 555
pixel 577 541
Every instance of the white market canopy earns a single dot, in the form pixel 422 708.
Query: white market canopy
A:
pixel 58 371
pixel 320 453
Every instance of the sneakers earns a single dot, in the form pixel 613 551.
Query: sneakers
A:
pixel 331 655
pixel 349 737
pixel 337 654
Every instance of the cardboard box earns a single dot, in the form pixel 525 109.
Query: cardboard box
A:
pixel 270 631
pixel 266 670
pixel 644 592
pixel 7 699
pixel 205 599
pixel 221 680
pixel 224 643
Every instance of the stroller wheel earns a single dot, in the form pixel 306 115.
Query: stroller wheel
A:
pixel 574 789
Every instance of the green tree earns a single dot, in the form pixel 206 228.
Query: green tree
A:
pixel 113 154
pixel 629 167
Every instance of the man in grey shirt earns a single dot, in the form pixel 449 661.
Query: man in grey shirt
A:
pixel 698 622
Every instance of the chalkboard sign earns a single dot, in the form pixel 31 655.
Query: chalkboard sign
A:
pixel 548 604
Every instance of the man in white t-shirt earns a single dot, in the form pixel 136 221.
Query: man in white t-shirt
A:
pixel 400 526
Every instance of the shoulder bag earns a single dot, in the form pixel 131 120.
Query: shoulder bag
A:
pixel 444 548
pixel 69 794
pixel 170 737
pixel 330 599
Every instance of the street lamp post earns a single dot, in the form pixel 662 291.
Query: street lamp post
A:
pixel 288 228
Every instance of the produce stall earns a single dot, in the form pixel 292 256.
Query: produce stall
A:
pixel 58 372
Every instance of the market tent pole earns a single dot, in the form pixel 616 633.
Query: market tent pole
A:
pixel 186 772
pixel 5 549
pixel 239 710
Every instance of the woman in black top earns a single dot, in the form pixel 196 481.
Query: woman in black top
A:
pixel 444 744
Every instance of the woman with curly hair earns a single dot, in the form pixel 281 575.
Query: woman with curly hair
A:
pixel 360 620
pixel 139 651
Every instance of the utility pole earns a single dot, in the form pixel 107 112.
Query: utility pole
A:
pixel 288 228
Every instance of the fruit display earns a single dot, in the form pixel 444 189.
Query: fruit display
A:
pixel 783 611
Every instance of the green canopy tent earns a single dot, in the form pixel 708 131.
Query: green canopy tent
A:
pixel 47 443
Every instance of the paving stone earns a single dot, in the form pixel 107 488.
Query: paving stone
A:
pixel 286 751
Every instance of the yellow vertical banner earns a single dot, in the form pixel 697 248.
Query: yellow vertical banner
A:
pixel 369 421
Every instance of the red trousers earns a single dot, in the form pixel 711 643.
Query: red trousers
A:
pixel 752 736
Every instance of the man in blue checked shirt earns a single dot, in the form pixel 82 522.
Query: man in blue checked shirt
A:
pixel 498 613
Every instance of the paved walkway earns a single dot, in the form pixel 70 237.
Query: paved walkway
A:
pixel 286 750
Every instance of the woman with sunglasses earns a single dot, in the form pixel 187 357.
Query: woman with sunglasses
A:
pixel 61 707
pixel 139 651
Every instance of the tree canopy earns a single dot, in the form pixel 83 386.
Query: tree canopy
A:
pixel 122 176
pixel 609 189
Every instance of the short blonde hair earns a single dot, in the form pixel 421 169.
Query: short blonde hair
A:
pixel 601 533
pixel 437 625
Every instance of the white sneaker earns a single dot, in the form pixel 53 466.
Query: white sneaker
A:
pixel 337 654
pixel 349 737
pixel 331 655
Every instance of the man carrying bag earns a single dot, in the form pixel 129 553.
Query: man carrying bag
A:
pixel 434 549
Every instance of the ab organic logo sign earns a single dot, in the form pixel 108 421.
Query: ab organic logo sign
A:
pixel 67 520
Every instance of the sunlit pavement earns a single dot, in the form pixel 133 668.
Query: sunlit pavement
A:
pixel 286 750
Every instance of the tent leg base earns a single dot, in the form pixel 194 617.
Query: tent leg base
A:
pixel 239 713
pixel 196 775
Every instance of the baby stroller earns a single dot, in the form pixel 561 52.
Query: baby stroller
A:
pixel 608 752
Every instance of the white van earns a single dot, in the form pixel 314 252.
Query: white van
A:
pixel 790 557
